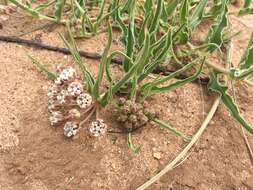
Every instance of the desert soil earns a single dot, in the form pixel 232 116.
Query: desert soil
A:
pixel 35 156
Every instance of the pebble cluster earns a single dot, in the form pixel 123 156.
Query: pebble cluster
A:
pixel 67 100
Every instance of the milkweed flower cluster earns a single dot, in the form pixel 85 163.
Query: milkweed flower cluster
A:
pixel 98 127
pixel 133 115
pixel 67 100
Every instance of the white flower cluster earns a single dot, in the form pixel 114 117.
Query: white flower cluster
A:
pixel 98 127
pixel 65 75
pixel 55 118
pixel 70 129
pixel 67 101
pixel 75 88
pixel 84 100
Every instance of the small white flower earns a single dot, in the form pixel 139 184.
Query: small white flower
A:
pixel 52 90
pixel 51 106
pixel 75 88
pixel 98 127
pixel 61 96
pixel 55 117
pixel 65 75
pixel 70 129
pixel 58 81
pixel 84 100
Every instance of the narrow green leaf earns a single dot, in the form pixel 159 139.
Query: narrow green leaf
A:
pixel 245 11
pixel 227 100
pixel 177 84
pixel 161 80
pixel 130 41
pixel 172 129
pixel 43 6
pixel 103 64
pixel 78 8
pixel 58 9
pixel 43 68
pixel 171 7
pixel 216 8
pixel 131 145
pixel 247 58
pixel 75 53
pixel 247 3
pixel 33 12
pixel 216 31
pixel 183 35
pixel 197 14
pixel 155 22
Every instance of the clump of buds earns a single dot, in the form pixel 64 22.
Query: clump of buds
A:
pixel 133 115
pixel 69 104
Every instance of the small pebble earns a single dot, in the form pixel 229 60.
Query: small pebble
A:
pixel 157 155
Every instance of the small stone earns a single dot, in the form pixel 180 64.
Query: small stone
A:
pixel 157 155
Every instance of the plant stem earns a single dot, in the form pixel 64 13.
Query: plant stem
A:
pixel 218 68
pixel 195 138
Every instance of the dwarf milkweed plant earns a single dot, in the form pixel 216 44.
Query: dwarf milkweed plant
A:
pixel 154 34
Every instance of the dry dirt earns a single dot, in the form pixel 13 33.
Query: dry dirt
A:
pixel 34 156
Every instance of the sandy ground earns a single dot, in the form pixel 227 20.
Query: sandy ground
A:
pixel 34 156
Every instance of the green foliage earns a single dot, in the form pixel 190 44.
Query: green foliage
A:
pixel 247 59
pixel 245 69
pixel 197 14
pixel 216 31
pixel 50 75
pixel 227 100
pixel 153 34
pixel 131 145
pixel 58 9
pixel 247 9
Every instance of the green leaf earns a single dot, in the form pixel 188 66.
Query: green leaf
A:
pixel 247 3
pixel 179 83
pixel 246 8
pixel 141 35
pixel 43 68
pixel 216 31
pixel 247 59
pixel 75 53
pixel 148 7
pixel 78 5
pixel 155 22
pixel 245 11
pixel 41 7
pixel 171 7
pixel 103 64
pixel 227 100
pixel 58 9
pixel 161 80
pixel 216 8
pixel 101 11
pixel 130 40
pixel 245 69
pixel 197 14
pixel 172 129
pixel 31 11
pixel 184 12
pixel 130 144
pixel 113 54
pixel 184 16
